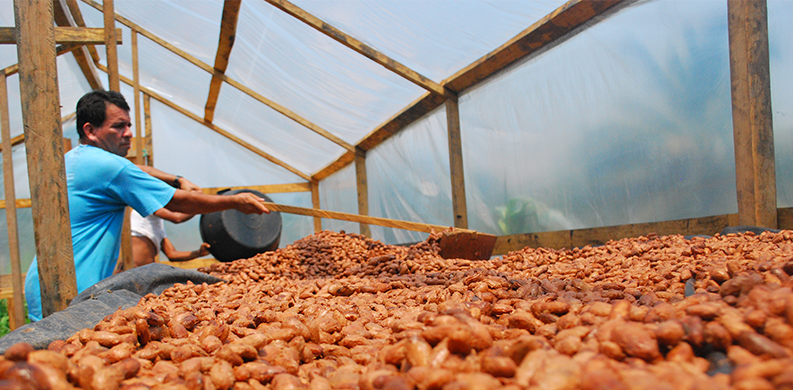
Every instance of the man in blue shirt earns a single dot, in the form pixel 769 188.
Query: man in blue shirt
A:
pixel 101 183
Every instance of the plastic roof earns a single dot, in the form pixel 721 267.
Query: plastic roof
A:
pixel 301 69
pixel 626 121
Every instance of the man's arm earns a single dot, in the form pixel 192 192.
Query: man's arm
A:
pixel 169 178
pixel 174 255
pixel 191 202
pixel 173 216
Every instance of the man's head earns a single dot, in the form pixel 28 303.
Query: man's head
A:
pixel 103 121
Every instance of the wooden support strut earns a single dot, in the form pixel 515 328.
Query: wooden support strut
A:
pixel 65 35
pixel 16 313
pixel 43 132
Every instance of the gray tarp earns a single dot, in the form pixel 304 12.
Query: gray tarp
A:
pixel 98 301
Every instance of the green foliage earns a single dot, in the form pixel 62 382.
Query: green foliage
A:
pixel 527 215
pixel 4 317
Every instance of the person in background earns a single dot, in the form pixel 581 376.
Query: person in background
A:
pixel 101 183
pixel 149 237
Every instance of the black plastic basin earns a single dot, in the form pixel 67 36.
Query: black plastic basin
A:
pixel 233 235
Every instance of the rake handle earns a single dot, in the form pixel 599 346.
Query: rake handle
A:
pixel 392 223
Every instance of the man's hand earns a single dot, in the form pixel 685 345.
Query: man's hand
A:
pixel 249 203
pixel 203 250
pixel 187 185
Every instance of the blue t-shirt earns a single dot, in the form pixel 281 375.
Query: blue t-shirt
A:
pixel 100 185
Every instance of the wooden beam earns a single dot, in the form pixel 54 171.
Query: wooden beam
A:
pixel 456 170
pixel 136 93
pixel 362 186
pixel 345 159
pixel 358 46
pixel 64 18
pixel 228 31
pixel 315 204
pixel 195 61
pixel 13 141
pixel 601 235
pixel 110 46
pixel 18 314
pixel 547 30
pixel 63 35
pixel 753 131
pixel 77 16
pixel 41 116
pixel 266 189
pixel 19 203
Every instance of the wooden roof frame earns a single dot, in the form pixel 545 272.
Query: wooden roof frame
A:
pixel 543 33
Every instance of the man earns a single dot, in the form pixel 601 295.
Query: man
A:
pixel 101 183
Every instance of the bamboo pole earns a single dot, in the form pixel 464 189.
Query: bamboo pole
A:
pixel 17 315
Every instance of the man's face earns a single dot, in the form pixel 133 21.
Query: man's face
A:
pixel 115 134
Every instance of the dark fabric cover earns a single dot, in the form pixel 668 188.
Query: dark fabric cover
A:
pixel 88 308
pixel 743 229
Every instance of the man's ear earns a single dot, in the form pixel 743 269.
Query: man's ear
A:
pixel 88 130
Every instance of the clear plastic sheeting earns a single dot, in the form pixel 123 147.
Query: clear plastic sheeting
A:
pixel 27 243
pixel 8 53
pixel 339 192
pixel 408 179
pixel 434 38
pixel 627 122
pixel 780 48
pixel 274 133
pixel 184 146
pixel 312 75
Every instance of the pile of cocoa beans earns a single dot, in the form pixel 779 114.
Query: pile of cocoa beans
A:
pixel 341 311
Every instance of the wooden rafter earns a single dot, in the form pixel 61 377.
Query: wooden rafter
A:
pixel 358 46
pixel 267 189
pixel 64 35
pixel 77 16
pixel 195 61
pixel 546 31
pixel 228 31
pixel 63 18
pixel 215 128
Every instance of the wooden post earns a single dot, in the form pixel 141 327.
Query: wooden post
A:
pixel 456 163
pixel 363 189
pixel 751 113
pixel 110 46
pixel 38 80
pixel 136 87
pixel 149 154
pixel 17 315
pixel 315 203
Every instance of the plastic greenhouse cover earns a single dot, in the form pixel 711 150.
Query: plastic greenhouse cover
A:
pixel 780 13
pixel 627 121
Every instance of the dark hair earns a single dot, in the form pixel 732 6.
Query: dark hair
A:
pixel 92 107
